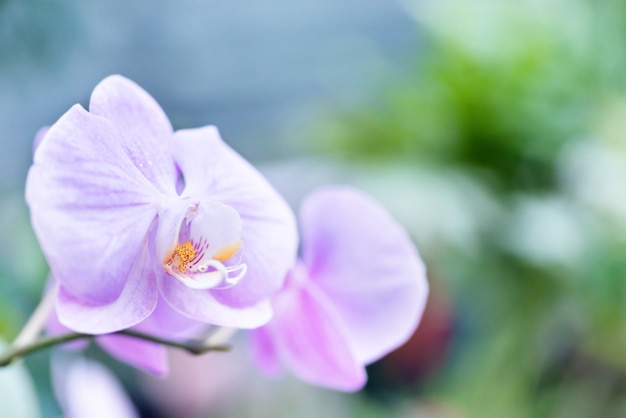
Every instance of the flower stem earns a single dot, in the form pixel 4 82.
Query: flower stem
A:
pixel 15 352
pixel 192 346
pixel 38 319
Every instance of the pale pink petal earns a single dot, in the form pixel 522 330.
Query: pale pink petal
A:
pixel 163 322
pixel 90 207
pixel 311 343
pixel 145 130
pixel 264 351
pixel 167 323
pixel 87 389
pixel 202 306
pixel 169 220
pixel 41 133
pixel 213 170
pixel 136 302
pixel 54 327
pixel 145 355
pixel 366 265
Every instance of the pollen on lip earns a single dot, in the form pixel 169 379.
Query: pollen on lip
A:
pixel 183 254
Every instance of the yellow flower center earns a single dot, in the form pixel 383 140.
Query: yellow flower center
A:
pixel 183 254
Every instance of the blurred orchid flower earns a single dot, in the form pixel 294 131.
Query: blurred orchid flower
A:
pixel 86 389
pixel 129 212
pixel 357 293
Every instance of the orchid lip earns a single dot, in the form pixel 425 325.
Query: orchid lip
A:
pixel 220 278
pixel 203 274
pixel 207 237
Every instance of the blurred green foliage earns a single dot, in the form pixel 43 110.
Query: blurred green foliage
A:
pixel 500 87
pixel 514 95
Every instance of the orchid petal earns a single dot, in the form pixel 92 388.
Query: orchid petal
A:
pixel 311 343
pixel 212 169
pixel 145 355
pixel 87 389
pixel 203 306
pixel 90 207
pixel 164 322
pixel 169 219
pixel 167 323
pixel 366 265
pixel 136 302
pixel 55 327
pixel 39 136
pixel 144 127
pixel 264 351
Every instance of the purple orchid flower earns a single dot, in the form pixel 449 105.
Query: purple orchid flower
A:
pixel 357 293
pixel 130 213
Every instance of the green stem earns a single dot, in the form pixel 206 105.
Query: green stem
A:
pixel 192 346
pixel 38 319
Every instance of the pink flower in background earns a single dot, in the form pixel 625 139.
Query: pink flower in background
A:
pixel 357 293
pixel 86 389
pixel 129 212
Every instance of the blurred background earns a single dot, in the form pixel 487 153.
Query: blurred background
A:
pixel 494 130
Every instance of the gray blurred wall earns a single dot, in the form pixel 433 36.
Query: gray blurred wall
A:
pixel 253 68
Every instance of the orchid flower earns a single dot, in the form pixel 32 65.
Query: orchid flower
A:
pixel 357 293
pixel 130 213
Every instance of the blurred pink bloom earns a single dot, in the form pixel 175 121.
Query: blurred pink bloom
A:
pixel 217 380
pixel 131 214
pixel 357 293
pixel 86 389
